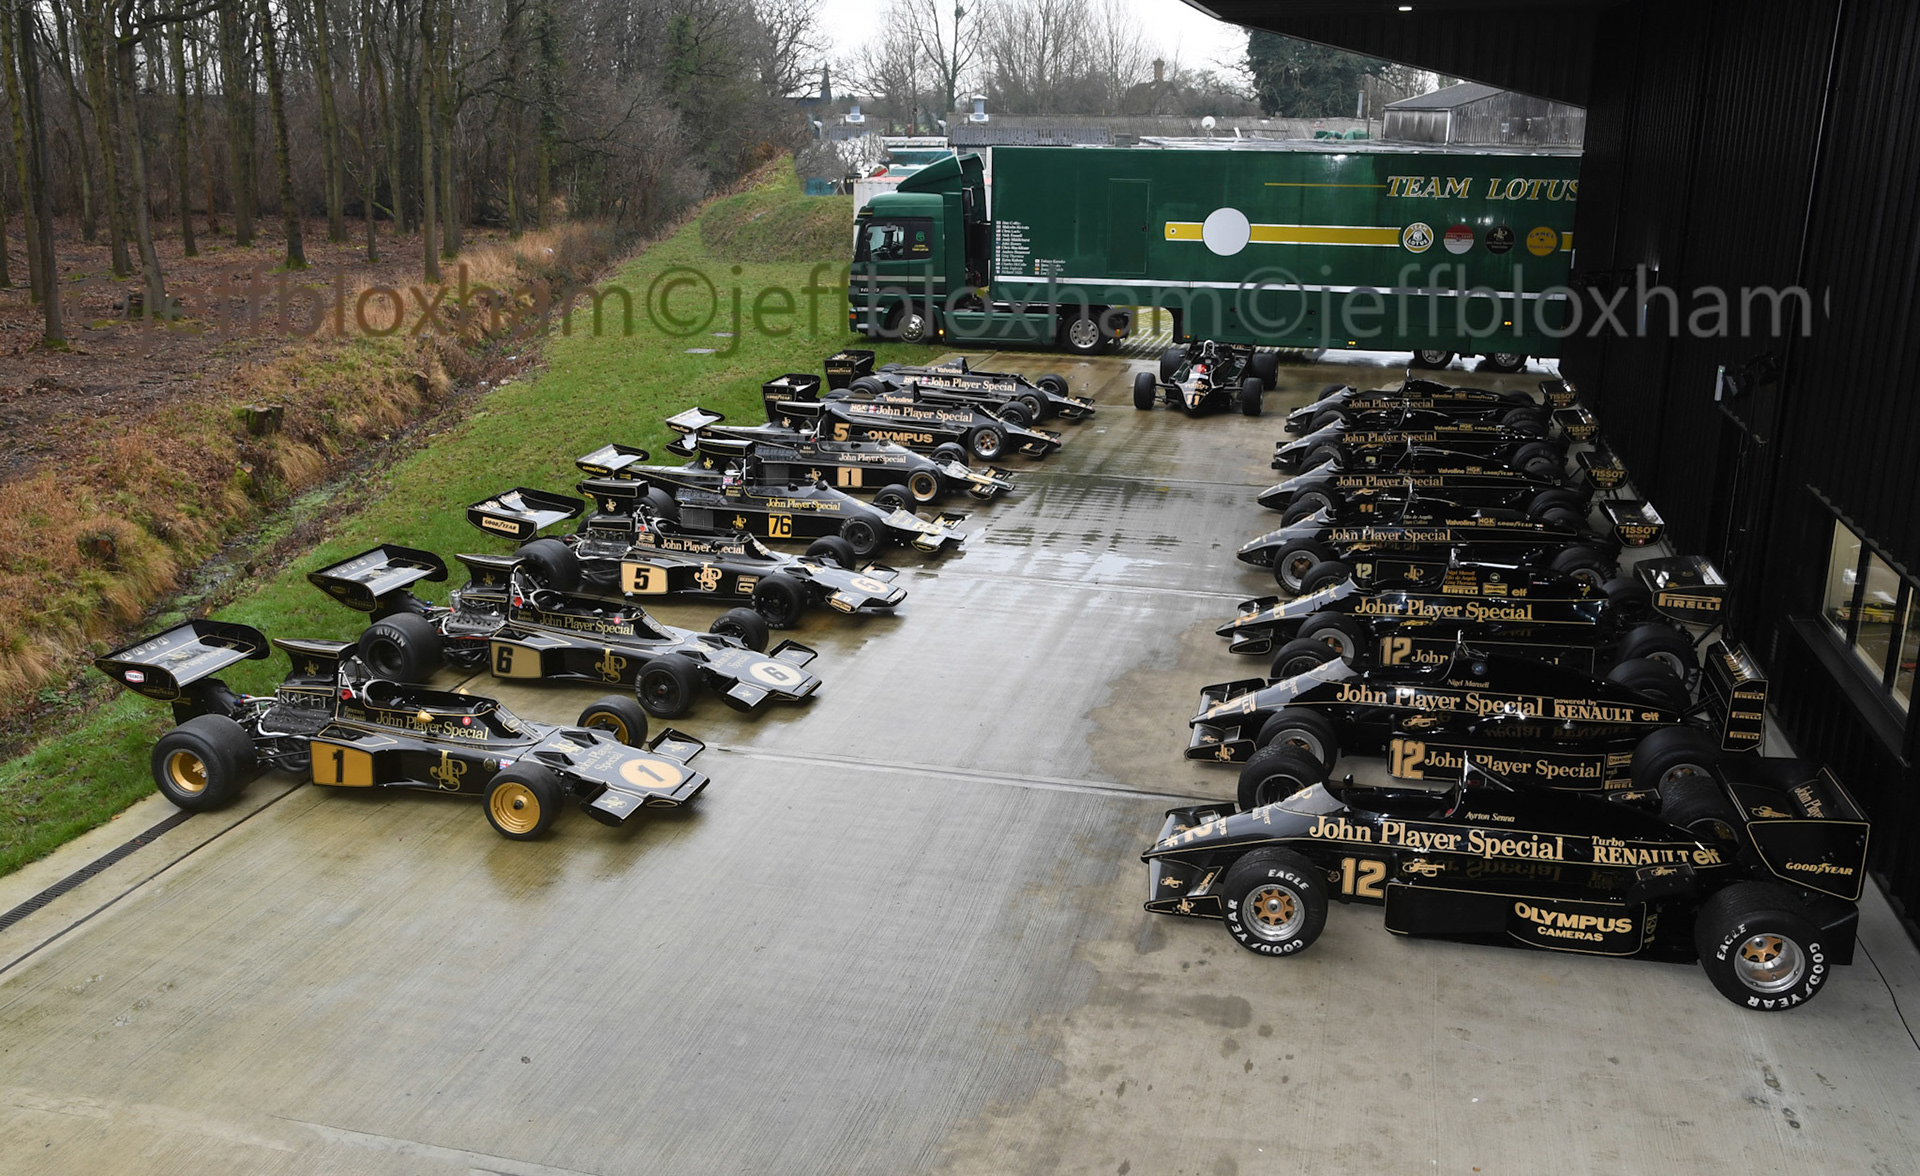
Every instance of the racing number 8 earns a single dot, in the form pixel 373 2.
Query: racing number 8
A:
pixel 1404 757
pixel 1361 878
pixel 779 526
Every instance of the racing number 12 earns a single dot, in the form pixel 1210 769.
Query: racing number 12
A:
pixel 1394 650
pixel 1361 878
pixel 1404 758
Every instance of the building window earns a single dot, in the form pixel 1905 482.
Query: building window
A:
pixel 1874 611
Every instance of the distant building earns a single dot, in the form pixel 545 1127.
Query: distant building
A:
pixel 1473 115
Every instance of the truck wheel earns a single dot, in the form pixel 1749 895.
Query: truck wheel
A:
pixel 551 564
pixel 1659 643
pixel 1302 728
pixel 1250 390
pixel 404 647
pixel 912 324
pixel 1758 949
pixel 522 801
pixel 1145 391
pixel 987 442
pixel 1432 360
pixel 1671 755
pixel 1276 772
pixel 1080 332
pixel 1290 567
pixel 1300 655
pixel 1344 634
pixel 1266 366
pixel 1171 361
pixel 1654 680
pixel 204 763
pixel 1325 574
pixel 744 624
pixel 1504 361
pixel 862 535
pixel 1274 902
pixel 950 453
pixel 892 498
pixel 619 716
pixel 832 549
pixel 666 686
pixel 1015 413
pixel 781 599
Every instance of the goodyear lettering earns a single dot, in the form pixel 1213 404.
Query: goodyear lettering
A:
pixel 1820 868
pixel 493 524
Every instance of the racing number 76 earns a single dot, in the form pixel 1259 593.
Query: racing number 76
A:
pixel 779 526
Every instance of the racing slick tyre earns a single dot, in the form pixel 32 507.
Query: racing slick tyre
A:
pixel 1321 454
pixel 1348 637
pixel 551 563
pixel 1627 595
pixel 1304 729
pixel 1298 511
pixel 1540 460
pixel 1696 804
pixel 1547 500
pixel 1275 773
pixel 1171 361
pixel 204 763
pixel 1250 391
pixel 781 599
pixel 666 686
pixel 950 452
pixel 1054 384
pixel 1562 517
pixel 1319 499
pixel 744 624
pixel 1672 755
pixel 1015 414
pixel 403 647
pixel 1526 420
pixel 1325 574
pixel 1653 679
pixel 832 549
pixel 522 801
pixel 987 442
pixel 862 535
pixel 1080 332
pixel 1036 407
pixel 1300 655
pixel 663 504
pixel 1582 563
pixel 892 498
pixel 912 324
pixel 1295 560
pixel 1432 360
pixel 1759 951
pixel 1325 417
pixel 1274 902
pixel 619 716
pixel 1504 361
pixel 1661 643
pixel 922 485
pixel 865 386
pixel 1145 391
pixel 1265 365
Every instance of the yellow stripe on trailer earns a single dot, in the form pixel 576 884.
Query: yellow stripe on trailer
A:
pixel 1365 235
pixel 1184 230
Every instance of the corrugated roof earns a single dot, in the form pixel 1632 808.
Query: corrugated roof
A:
pixel 1448 98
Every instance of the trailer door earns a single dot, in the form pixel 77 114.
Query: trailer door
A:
pixel 1128 202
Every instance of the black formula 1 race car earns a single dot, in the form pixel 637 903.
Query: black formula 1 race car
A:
pixel 1342 403
pixel 1392 434
pixel 728 487
pixel 1206 377
pixel 334 721
pixel 1466 479
pixel 1318 550
pixel 895 475
pixel 920 425
pixel 1504 611
pixel 503 621
pixel 851 371
pixel 1752 868
pixel 626 550
pixel 1534 723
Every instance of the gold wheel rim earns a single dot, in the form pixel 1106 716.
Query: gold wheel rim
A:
pixel 1276 912
pixel 514 807
pixel 609 723
pixel 186 772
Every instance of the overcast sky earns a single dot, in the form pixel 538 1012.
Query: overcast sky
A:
pixel 1177 30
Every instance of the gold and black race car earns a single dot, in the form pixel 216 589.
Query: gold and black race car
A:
pixel 515 629
pixel 851 373
pixel 1752 866
pixel 332 720
pixel 916 422
pixel 1342 403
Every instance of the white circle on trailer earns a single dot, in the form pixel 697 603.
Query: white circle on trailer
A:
pixel 1226 231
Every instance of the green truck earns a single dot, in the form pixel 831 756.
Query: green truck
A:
pixel 1308 245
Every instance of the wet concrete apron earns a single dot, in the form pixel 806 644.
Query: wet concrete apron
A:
pixel 900 932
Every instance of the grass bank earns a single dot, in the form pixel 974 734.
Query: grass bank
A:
pixel 685 322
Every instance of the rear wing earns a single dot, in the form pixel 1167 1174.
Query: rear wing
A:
pixel 1804 825
pixel 793 389
pixel 314 659
pixel 488 571
pixel 161 666
pixel 520 514
pixel 845 366
pixel 610 459
pixel 613 495
pixel 1687 588
pixel 1635 523
pixel 360 582
pixel 1577 423
pixel 1558 393
pixel 1736 689
pixel 1601 467
pixel 689 425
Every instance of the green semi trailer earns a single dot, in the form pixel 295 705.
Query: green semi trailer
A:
pixel 1310 245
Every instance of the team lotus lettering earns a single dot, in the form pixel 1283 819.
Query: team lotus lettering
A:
pixel 1561 925
pixel 1462 188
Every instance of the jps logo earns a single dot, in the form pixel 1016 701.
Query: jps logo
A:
pixel 448 772
pixel 708 577
pixel 610 666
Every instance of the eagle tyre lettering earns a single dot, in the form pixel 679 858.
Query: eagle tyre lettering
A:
pixel 1758 950
pixel 1274 902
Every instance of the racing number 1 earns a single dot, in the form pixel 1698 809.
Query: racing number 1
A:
pixel 849 477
